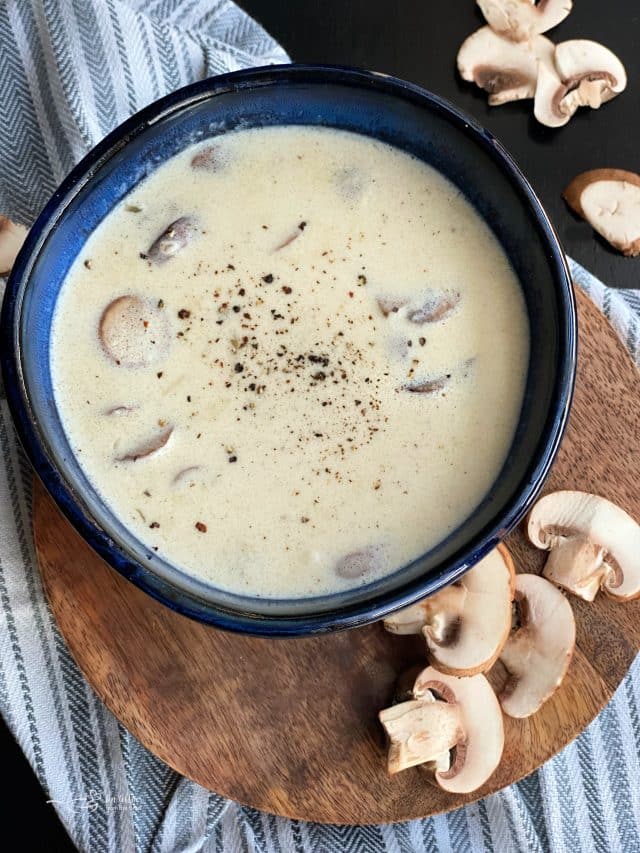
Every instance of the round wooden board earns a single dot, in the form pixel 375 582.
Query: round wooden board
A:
pixel 290 726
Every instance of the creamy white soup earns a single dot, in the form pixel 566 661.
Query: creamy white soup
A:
pixel 291 360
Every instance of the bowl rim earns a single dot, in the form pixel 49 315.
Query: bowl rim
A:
pixel 179 599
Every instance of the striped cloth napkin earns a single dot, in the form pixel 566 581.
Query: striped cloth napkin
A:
pixel 70 70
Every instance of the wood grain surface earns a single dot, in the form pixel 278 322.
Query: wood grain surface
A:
pixel 290 726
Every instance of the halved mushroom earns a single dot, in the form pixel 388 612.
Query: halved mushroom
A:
pixel 12 236
pixel 506 70
pixel 583 74
pixel 539 651
pixel 520 20
pixel 466 624
pixel 134 331
pixel 478 753
pixel 567 520
pixel 421 731
pixel 175 237
pixel 148 446
pixel 609 199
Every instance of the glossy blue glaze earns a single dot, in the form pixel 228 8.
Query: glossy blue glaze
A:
pixel 373 104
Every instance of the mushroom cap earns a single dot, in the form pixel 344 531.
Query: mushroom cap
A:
pixel 582 73
pixel 567 514
pixel 609 199
pixel 520 20
pixel 538 653
pixel 478 755
pixel 420 731
pixel 465 633
pixel 506 70
pixel 12 236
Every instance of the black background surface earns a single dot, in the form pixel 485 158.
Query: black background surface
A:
pixel 418 40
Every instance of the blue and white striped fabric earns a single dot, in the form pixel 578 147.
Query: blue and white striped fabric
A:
pixel 70 70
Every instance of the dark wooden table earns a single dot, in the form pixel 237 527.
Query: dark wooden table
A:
pixel 418 40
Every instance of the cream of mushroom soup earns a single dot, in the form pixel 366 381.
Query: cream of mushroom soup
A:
pixel 291 360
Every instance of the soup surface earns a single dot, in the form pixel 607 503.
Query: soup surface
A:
pixel 291 360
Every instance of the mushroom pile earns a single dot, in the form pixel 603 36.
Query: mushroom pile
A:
pixel 518 628
pixel 511 60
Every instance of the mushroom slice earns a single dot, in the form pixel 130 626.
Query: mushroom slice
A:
pixel 390 304
pixel 121 409
pixel 428 386
pixel 175 237
pixel 185 475
pixel 133 331
pixel 583 74
pixel 436 307
pixel 421 731
pixel 507 71
pixel 207 159
pixel 609 199
pixel 520 20
pixel 466 624
pixel 478 753
pixel 537 654
pixel 12 236
pixel 566 517
pixel 148 446
pixel 292 236
pixel 358 563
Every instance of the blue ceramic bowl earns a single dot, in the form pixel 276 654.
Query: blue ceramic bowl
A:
pixel 372 104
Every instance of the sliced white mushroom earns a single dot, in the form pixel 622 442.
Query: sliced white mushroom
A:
pixel 477 755
pixel 466 624
pixel 609 199
pixel 520 20
pixel 506 70
pixel 566 520
pixel 12 236
pixel 421 731
pixel 582 74
pixel 175 237
pixel 148 446
pixel 134 331
pixel 538 652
